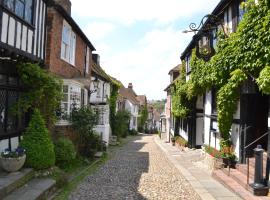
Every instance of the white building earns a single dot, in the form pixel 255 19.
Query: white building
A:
pixel 131 104
pixel 100 92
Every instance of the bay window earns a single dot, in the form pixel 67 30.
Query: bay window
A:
pixel 68 44
pixel 22 8
pixel 72 98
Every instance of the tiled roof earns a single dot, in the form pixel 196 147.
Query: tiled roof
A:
pixel 142 99
pixel 98 71
pixel 175 69
pixel 128 94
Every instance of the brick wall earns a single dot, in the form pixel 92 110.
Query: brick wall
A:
pixel 53 49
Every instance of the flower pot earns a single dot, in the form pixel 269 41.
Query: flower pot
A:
pixel 12 164
pixel 229 162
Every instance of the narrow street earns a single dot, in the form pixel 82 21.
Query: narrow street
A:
pixel 139 170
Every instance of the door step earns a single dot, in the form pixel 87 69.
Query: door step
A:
pixel 11 181
pixel 234 185
pixel 36 189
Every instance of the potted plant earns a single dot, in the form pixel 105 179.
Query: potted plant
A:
pixel 12 161
pixel 173 141
pixel 228 157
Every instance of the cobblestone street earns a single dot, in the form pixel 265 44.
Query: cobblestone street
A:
pixel 139 170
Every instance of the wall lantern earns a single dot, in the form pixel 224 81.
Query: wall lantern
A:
pixel 95 83
pixel 203 37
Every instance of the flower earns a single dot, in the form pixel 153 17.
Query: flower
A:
pixel 8 153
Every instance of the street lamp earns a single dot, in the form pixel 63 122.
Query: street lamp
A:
pixel 203 37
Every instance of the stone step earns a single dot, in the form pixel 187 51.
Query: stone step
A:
pixel 11 181
pixel 36 189
pixel 234 186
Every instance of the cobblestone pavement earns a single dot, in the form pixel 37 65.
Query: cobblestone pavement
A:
pixel 139 170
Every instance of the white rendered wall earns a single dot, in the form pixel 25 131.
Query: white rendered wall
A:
pixel 207 120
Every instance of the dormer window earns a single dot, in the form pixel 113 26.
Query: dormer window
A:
pixel 22 8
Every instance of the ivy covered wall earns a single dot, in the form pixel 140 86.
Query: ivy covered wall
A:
pixel 244 54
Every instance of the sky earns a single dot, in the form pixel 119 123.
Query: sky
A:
pixel 139 41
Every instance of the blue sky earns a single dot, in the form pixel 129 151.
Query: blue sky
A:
pixel 140 41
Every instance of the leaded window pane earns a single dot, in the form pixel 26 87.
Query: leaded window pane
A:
pixel 19 8
pixel 12 80
pixel 2 110
pixel 9 4
pixel 28 11
pixel 66 35
pixel 3 79
pixel 12 118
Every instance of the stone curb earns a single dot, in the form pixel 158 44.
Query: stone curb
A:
pixel 196 185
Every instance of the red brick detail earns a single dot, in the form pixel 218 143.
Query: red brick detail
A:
pixel 53 61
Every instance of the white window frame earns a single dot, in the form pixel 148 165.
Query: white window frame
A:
pixel 68 44
pixel 87 60
pixel 74 91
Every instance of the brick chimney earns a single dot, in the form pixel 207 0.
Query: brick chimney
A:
pixel 66 4
pixel 130 86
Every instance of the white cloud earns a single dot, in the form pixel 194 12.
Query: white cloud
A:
pixel 148 63
pixel 98 30
pixel 147 60
pixel 130 11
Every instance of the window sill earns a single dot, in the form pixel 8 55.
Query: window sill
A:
pixel 66 61
pixel 63 123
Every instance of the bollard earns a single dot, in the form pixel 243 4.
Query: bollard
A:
pixel 258 186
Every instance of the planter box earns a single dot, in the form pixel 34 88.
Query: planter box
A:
pixel 12 164
pixel 212 163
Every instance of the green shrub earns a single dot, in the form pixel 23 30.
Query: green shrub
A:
pixel 133 132
pixel 122 123
pixel 37 143
pixel 65 152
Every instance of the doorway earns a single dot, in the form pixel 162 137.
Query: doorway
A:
pixel 254 116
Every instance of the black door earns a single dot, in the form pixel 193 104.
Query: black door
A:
pixel 254 116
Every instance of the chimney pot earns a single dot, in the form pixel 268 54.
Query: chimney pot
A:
pixel 130 86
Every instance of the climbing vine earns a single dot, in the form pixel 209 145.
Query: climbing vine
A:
pixel 44 91
pixel 244 54
pixel 112 102
pixel 180 107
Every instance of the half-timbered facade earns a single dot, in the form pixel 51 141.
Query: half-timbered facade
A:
pixel 22 38
pixel 250 122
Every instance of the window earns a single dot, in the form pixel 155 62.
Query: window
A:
pixel 214 33
pixel 10 92
pixel 87 63
pixel 72 98
pixel 228 20
pixel 22 8
pixel 188 67
pixel 98 90
pixel 68 44
pixel 241 11
pixel 214 101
